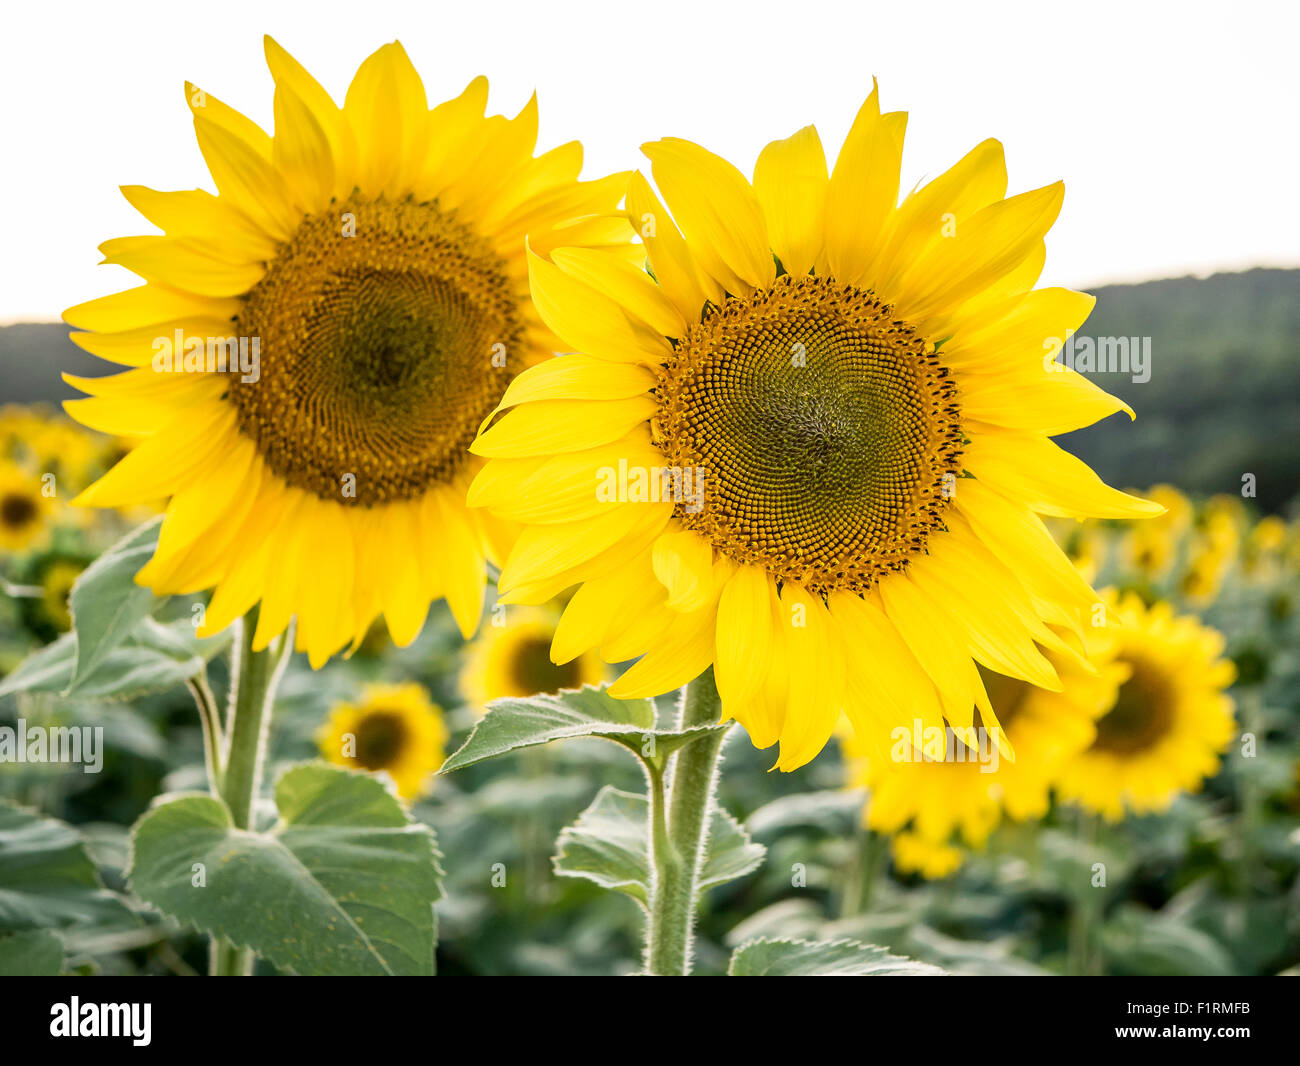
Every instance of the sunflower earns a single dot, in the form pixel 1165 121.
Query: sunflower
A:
pixel 25 509
pixel 939 790
pixel 513 659
pixel 50 577
pixel 914 854
pixel 1151 547
pixel 809 443
pixel 1170 721
pixel 315 347
pixel 395 729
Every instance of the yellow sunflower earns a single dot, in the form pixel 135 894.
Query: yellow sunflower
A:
pixel 513 659
pixel 810 443
pixel 1151 547
pixel 914 854
pixel 1170 721
pixel 56 587
pixel 1086 543
pixel 25 510
pixel 315 347
pixel 1264 549
pixel 940 791
pixel 395 729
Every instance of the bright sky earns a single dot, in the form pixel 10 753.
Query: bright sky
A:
pixel 1173 124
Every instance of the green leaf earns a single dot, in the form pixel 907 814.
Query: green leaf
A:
pixel 34 953
pixel 513 724
pixel 344 884
pixel 154 658
pixel 1139 941
pixel 107 605
pixel 46 878
pixel 822 958
pixel 610 845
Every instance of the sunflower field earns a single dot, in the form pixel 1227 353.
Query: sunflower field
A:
pixel 459 567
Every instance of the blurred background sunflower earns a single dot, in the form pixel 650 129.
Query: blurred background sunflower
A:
pixel 511 657
pixel 393 729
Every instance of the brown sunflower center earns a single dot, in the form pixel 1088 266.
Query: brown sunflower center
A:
pixel 533 672
pixel 1142 714
pixel 385 331
pixel 825 432
pixel 17 510
pixel 381 738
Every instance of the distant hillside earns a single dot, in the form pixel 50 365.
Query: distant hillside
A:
pixel 1223 397
pixel 1224 394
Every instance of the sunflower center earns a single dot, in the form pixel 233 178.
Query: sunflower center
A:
pixel 824 430
pixel 381 737
pixel 533 671
pixel 17 510
pixel 1142 713
pixel 384 331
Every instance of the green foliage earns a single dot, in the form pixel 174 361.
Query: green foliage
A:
pixel 47 880
pixel 344 884
pixel 511 725
pixel 609 844
pixel 155 657
pixel 34 953
pixel 822 958
pixel 107 605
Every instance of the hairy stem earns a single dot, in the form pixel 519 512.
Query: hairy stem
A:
pixel 679 832
pixel 254 676
pixel 210 718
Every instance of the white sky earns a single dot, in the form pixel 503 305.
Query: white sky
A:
pixel 1174 125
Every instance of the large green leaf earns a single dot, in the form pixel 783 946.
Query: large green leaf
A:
pixel 513 724
pixel 46 878
pixel 107 605
pixel 610 845
pixel 154 658
pixel 34 953
pixel 822 958
pixel 1137 941
pixel 344 884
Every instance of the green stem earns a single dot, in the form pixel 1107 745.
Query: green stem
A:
pixel 1086 903
pixel 679 832
pixel 863 872
pixel 254 676
pixel 210 718
pixel 1248 795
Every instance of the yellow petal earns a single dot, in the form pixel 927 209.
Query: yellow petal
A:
pixel 863 190
pixel 744 637
pixel 675 268
pixel 718 213
pixel 990 245
pixel 790 182
pixel 562 426
pixel 1050 480
pixel 593 324
pixel 386 110
pixel 632 289
pixel 683 563
pixel 251 182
